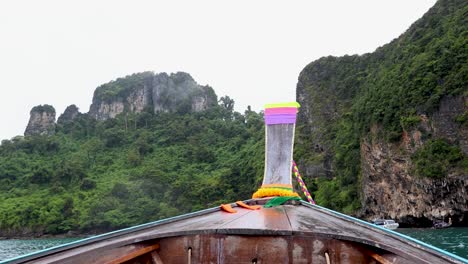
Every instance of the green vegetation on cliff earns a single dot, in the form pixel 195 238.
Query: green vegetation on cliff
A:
pixel 98 176
pixel 434 159
pixel 122 87
pixel 43 108
pixel 389 88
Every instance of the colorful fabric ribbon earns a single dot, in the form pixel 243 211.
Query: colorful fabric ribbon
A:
pixel 283 113
pixel 280 200
pixel 269 190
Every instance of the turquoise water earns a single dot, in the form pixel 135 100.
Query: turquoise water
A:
pixel 453 240
pixel 15 247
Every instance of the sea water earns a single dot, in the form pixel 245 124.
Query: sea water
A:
pixel 453 240
pixel 11 248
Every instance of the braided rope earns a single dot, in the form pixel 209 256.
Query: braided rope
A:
pixel 301 183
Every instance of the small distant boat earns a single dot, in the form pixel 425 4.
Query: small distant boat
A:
pixel 386 223
pixel 441 224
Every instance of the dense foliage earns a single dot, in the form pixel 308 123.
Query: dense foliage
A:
pixel 97 176
pixel 435 157
pixel 388 88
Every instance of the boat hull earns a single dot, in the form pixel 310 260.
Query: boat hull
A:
pixel 391 226
pixel 292 233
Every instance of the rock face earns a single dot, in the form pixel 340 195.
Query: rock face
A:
pixel 320 106
pixel 389 187
pixel 158 92
pixel 370 125
pixel 146 91
pixel 444 122
pixel 41 121
pixel 70 113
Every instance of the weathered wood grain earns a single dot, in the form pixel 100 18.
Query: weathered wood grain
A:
pixel 305 232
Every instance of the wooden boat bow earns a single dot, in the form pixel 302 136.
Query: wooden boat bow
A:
pixel 292 233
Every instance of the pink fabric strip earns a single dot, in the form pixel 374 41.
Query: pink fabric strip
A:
pixel 281 110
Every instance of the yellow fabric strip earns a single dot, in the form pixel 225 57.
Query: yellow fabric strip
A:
pixel 268 192
pixel 279 105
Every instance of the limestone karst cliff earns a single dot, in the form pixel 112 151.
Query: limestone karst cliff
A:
pixel 385 133
pixel 136 93
pixel 391 186
pixel 157 92
pixel 41 121
pixel 70 113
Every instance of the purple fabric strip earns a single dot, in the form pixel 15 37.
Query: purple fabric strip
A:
pixel 281 115
pixel 280 119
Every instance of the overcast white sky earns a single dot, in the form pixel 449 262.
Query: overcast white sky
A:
pixel 58 52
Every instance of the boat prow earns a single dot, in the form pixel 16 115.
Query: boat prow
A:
pixel 296 232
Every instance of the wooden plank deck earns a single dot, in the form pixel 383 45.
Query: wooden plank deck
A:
pixel 305 221
pixel 284 222
pixel 266 221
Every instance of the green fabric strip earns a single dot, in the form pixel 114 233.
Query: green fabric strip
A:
pixel 280 200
